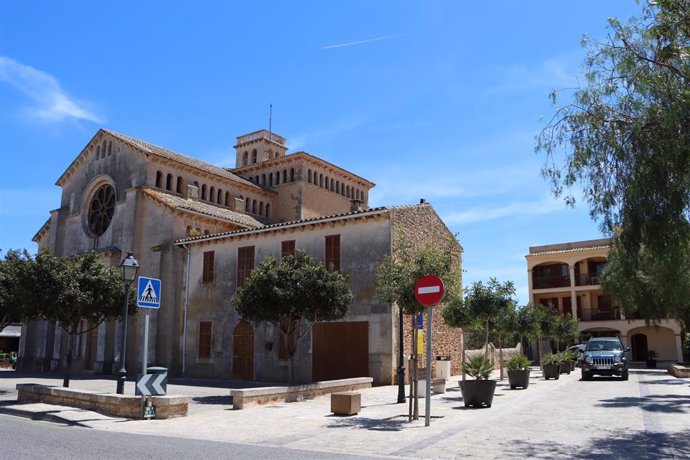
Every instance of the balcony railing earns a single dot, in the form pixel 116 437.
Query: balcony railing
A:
pixel 547 282
pixel 601 315
pixel 587 279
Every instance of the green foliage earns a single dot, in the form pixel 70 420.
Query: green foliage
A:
pixel 536 321
pixel 11 302
pixel 397 275
pixel 519 362
pixel 625 140
pixel 568 355
pixel 565 328
pixel 552 358
pixel 293 294
pixel 491 304
pixel 478 367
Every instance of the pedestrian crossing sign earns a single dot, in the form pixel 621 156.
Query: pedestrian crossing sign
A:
pixel 149 293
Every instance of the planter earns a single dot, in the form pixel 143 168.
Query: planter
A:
pixel 552 371
pixel 519 378
pixel 565 367
pixel 478 393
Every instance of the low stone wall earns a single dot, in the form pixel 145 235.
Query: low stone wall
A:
pixel 678 370
pixel 107 403
pixel 258 396
pixel 495 353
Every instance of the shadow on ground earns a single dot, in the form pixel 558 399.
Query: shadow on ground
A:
pixel 638 445
pixel 391 424
pixel 670 403
pixel 220 400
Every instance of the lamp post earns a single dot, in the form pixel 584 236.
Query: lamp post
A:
pixel 401 361
pixel 129 267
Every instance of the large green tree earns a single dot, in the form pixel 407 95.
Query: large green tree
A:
pixel 11 303
pixel 625 140
pixel 78 293
pixel 293 294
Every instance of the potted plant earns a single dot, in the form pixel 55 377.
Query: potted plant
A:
pixel 518 371
pixel 480 391
pixel 564 361
pixel 551 366
pixel 651 359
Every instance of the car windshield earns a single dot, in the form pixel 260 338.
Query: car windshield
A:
pixel 604 345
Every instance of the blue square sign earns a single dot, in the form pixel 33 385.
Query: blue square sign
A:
pixel 149 293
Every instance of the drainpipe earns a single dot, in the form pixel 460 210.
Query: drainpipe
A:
pixel 186 307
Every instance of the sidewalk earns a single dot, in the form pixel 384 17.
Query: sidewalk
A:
pixel 517 417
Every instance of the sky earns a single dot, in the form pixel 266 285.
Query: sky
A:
pixel 439 100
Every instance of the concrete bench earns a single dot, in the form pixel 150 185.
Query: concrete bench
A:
pixel 241 398
pixel 438 385
pixel 346 403
pixel 107 403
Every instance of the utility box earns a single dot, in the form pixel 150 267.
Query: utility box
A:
pixel 442 367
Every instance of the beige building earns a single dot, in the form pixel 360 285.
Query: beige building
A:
pixel 200 228
pixel 566 276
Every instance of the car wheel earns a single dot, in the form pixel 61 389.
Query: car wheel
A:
pixel 624 376
pixel 586 376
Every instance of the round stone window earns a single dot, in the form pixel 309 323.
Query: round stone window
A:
pixel 101 209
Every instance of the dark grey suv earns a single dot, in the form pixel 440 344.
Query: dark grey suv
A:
pixel 604 356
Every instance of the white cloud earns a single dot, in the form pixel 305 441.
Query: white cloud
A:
pixel 51 103
pixel 522 208
pixel 552 73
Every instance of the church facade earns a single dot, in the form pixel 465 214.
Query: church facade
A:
pixel 200 229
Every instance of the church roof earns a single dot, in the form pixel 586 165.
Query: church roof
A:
pixel 178 157
pixel 200 207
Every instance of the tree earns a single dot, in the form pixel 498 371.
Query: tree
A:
pixel 487 302
pixel 625 139
pixel 396 275
pixel 456 314
pixel 77 293
pixel 293 294
pixel 10 293
pixel 565 328
pixel 536 322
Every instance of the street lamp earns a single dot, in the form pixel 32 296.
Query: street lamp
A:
pixel 129 267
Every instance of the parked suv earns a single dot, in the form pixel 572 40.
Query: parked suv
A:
pixel 604 356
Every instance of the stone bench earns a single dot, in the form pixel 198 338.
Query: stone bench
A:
pixel 346 403
pixel 106 403
pixel 241 398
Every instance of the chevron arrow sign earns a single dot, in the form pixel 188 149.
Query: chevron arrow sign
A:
pixel 151 384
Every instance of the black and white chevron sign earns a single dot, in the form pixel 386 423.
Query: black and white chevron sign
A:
pixel 152 384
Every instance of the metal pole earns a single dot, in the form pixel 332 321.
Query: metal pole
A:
pixel 401 361
pixel 122 374
pixel 145 355
pixel 427 408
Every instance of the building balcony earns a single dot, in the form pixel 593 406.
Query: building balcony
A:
pixel 600 315
pixel 548 282
pixel 587 279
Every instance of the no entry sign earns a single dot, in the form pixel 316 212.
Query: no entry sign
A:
pixel 429 290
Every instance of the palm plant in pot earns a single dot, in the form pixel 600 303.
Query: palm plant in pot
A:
pixel 480 391
pixel 551 366
pixel 518 371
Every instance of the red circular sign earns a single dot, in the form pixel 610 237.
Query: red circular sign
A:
pixel 429 290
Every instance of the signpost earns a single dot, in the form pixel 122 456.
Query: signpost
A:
pixel 149 297
pixel 429 291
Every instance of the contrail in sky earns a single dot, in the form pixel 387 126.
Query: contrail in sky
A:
pixel 340 45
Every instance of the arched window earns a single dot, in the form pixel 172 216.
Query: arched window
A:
pixel 256 180
pixel 212 194
pixel 284 175
pixel 263 180
pixel 278 178
pixel 337 186
pixel 268 210
pixel 168 182
pixel 159 178
pixel 347 191
pixel 270 179
pixel 254 156
pixel 227 198
pixel 245 158
pixel 247 204
pixel 219 199
pixel 110 147
pixel 103 148
pixel 203 192
pixel 292 174
pixel 98 152
pixel 178 188
pixel 320 180
pixel 261 208
pixel 309 175
pixel 253 206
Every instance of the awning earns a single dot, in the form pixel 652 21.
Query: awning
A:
pixel 12 331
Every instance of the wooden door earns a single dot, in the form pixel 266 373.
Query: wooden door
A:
pixel 340 350
pixel 638 344
pixel 243 352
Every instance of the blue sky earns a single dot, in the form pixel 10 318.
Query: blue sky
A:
pixel 428 99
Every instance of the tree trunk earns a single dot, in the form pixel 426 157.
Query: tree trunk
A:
pixel 68 367
pixel 500 357
pixel 463 355
pixel 486 340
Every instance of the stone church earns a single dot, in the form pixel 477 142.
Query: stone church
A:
pixel 201 229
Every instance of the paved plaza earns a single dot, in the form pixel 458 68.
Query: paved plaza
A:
pixel 644 417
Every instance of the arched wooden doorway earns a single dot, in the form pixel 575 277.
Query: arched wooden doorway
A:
pixel 638 343
pixel 243 352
